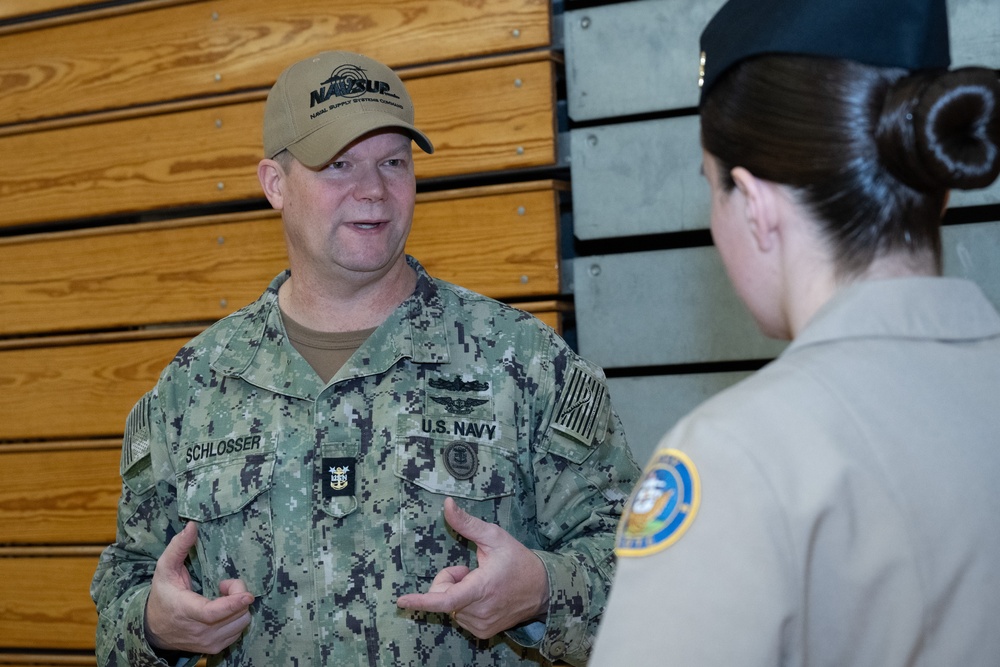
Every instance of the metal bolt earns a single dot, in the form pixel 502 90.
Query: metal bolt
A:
pixel 595 269
pixel 524 279
pixel 218 77
pixel 515 32
pixel 215 16
pixel 520 210
pixel 517 83
pixel 592 139
pixel 223 303
pixel 220 185
pixel 218 122
pixel 221 240
pixel 585 22
pixel 520 150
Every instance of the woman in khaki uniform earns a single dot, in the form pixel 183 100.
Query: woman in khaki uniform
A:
pixel 841 506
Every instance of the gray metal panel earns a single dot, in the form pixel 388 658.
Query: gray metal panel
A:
pixel 973 251
pixel 990 195
pixel 650 406
pixel 637 57
pixel 676 306
pixel 974 31
pixel 634 57
pixel 662 307
pixel 638 178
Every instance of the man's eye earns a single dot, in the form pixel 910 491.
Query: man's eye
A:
pixel 336 165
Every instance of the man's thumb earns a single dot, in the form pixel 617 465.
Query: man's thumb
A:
pixel 178 547
pixel 464 524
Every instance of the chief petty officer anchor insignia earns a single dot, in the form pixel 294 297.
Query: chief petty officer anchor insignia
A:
pixel 338 477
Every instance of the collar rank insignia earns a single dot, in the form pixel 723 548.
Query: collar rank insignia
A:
pixel 662 506
pixel 338 477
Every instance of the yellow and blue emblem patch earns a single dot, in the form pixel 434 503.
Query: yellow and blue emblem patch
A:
pixel 662 507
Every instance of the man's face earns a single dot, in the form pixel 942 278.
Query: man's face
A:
pixel 351 218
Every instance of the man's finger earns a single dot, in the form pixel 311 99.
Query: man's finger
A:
pixel 225 607
pixel 232 587
pixel 443 596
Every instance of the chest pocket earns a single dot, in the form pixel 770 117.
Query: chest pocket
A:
pixel 481 476
pixel 231 503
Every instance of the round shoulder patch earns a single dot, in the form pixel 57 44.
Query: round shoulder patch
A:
pixel 662 506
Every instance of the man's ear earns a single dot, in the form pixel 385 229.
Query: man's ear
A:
pixel 271 177
pixel 761 210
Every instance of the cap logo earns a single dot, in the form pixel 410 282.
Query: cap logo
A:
pixel 350 81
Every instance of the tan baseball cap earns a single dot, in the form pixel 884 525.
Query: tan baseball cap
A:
pixel 320 105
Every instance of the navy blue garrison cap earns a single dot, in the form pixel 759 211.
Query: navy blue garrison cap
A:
pixel 911 34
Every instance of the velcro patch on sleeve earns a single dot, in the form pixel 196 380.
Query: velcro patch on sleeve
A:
pixel 135 443
pixel 581 412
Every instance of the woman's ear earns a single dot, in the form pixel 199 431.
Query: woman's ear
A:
pixel 761 207
pixel 271 177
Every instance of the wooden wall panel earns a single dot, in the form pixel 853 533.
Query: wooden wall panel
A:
pixel 77 391
pixel 219 46
pixel 202 269
pixel 490 119
pixel 59 494
pixel 45 602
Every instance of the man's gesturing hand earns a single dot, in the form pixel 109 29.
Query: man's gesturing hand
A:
pixel 509 587
pixel 178 619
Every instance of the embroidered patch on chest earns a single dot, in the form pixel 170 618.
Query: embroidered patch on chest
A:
pixel 662 507
pixel 461 459
pixel 338 477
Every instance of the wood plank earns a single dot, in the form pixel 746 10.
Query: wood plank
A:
pixel 484 120
pixel 201 270
pixel 78 391
pixel 59 496
pixel 218 46
pixel 10 9
pixel 45 603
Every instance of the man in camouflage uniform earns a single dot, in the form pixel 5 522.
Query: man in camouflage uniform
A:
pixel 366 466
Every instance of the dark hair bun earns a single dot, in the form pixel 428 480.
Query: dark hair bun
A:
pixel 942 130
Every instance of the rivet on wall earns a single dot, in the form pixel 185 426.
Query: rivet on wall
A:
pixel 515 32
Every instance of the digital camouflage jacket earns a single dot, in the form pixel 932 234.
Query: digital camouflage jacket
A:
pixel 328 500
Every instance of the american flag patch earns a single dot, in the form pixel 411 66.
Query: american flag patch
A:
pixel 135 444
pixel 581 405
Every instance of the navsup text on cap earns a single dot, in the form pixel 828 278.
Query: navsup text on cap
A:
pixel 320 105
